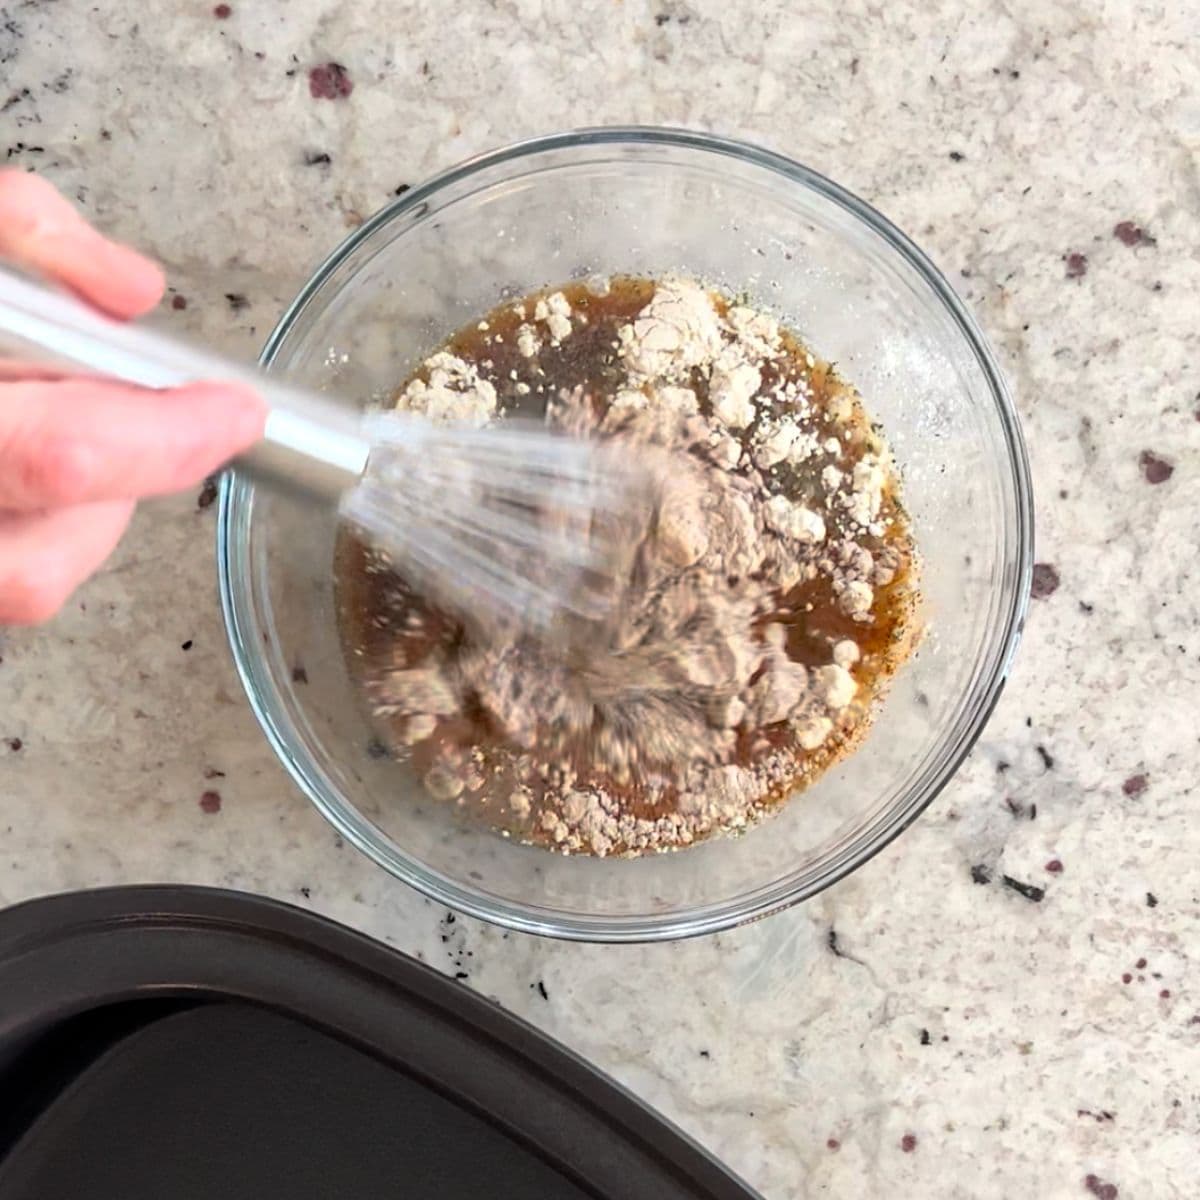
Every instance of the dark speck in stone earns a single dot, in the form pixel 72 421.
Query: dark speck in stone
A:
pixel 299 674
pixel 237 301
pixel 705 1054
pixel 980 874
pixel 376 749
pixel 1097 1187
pixel 15 744
pixel 925 1038
pixel 541 990
pixel 222 12
pixel 1077 264
pixel 329 81
pixel 1151 900
pixel 1140 965
pixel 208 493
pixel 1054 866
pixel 1127 978
pixel 1155 469
pixel 1085 607
pixel 187 645
pixel 14 99
pixel 957 156
pixel 317 159
pixel 178 302
pixel 210 802
pixel 908 1143
pixel 1045 580
pixel 106 135
pixel 1028 890
pixel 1135 785
pixel 213 773
pixel 1046 757
pixel 404 187
pixel 1130 234
pixel 306 892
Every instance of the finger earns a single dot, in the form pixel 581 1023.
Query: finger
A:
pixel 12 371
pixel 44 557
pixel 40 230
pixel 76 441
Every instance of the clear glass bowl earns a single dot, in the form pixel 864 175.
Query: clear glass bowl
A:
pixel 645 202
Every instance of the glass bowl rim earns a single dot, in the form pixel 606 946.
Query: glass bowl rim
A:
pixel 235 586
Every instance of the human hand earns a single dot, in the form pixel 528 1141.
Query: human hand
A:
pixel 77 453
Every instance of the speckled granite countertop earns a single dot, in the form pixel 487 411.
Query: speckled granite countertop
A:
pixel 967 1038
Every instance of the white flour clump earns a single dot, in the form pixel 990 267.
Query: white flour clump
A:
pixel 677 331
pixel 452 390
pixel 687 709
pixel 555 311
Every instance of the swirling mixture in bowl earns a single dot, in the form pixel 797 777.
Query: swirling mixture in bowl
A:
pixel 769 592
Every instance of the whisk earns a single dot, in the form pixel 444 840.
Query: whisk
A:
pixel 509 522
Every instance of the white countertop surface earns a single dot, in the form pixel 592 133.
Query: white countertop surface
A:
pixel 994 1029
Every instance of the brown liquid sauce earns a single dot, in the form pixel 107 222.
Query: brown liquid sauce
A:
pixel 385 625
